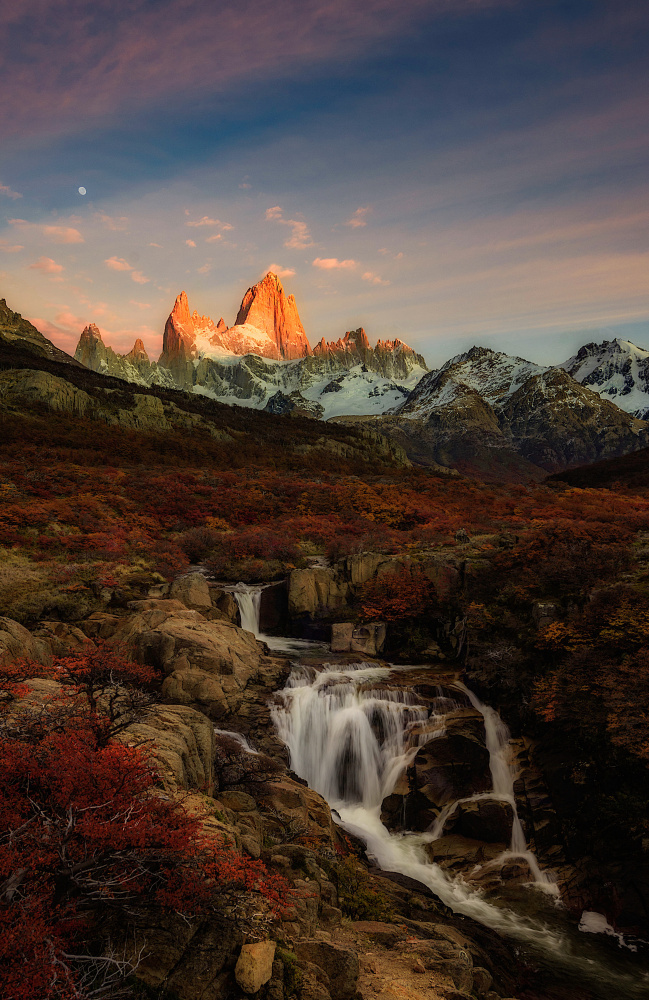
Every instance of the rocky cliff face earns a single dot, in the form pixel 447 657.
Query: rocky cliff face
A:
pixel 266 307
pixel 19 334
pixel 616 370
pixel 133 367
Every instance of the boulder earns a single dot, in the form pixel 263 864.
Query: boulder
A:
pixel 193 591
pixel 255 965
pixel 208 663
pixel 16 643
pixel 340 964
pixel 181 741
pixel 63 639
pixel 346 637
pixel 490 820
pixel 452 766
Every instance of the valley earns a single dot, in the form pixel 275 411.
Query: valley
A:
pixel 413 697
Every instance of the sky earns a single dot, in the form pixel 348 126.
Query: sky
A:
pixel 449 172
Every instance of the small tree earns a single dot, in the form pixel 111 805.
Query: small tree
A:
pixel 83 836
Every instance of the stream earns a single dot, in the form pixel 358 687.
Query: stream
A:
pixel 351 734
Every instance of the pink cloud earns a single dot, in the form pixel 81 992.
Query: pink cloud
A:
pixel 190 243
pixel 214 239
pixel 47 266
pixel 206 221
pixel 138 277
pixel 374 279
pixel 281 272
pixel 118 264
pixel 114 223
pixel 358 218
pixel 333 264
pixel 6 247
pixel 8 193
pixel 57 234
pixel 300 237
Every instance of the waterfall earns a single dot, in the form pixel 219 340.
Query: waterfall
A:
pixel 351 740
pixel 249 601
pixel 248 597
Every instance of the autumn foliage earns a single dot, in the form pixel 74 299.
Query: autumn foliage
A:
pixel 87 843
pixel 406 593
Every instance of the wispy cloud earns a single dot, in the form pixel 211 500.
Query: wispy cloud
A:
pixel 8 193
pixel 214 238
pixel 63 69
pixel 119 264
pixel 281 272
pixel 47 266
pixel 114 223
pixel 206 221
pixel 333 264
pixel 358 218
pixel 300 237
pixel 55 234
pixel 374 279
pixel 190 243
pixel 6 247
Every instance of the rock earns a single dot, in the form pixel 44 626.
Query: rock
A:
pixel 452 766
pixel 349 638
pixel 192 590
pixel 208 664
pixel 544 614
pixel 16 643
pixel 385 934
pixel 340 964
pixel 418 966
pixel 226 604
pixel 490 820
pixel 482 981
pixel 315 591
pixel 238 801
pixel 266 307
pixel 63 639
pixel 462 536
pixel 181 741
pixel 255 965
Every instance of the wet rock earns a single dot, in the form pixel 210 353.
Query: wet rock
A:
pixel 490 820
pixel 346 637
pixel 340 964
pixel 255 965
pixel 453 766
pixel 482 981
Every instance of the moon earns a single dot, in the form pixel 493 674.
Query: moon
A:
pixel 82 190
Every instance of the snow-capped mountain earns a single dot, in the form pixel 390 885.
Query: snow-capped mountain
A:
pixel 487 412
pixel 265 360
pixel 480 372
pixel 617 370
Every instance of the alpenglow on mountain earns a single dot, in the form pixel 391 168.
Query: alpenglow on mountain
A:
pixel 264 360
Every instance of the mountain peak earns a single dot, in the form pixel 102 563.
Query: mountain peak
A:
pixel 269 310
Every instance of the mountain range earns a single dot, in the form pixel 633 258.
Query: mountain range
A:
pixel 483 412
pixel 265 361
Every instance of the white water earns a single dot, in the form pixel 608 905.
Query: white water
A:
pixel 238 738
pixel 248 597
pixel 351 740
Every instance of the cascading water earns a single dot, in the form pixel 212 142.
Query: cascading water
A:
pixel 248 597
pixel 350 740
